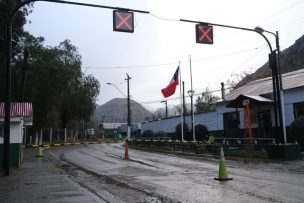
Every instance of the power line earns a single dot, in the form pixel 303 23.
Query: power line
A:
pixel 162 18
pixel 173 63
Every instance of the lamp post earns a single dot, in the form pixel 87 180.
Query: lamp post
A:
pixel 280 95
pixel 128 105
pixel 166 107
pixel 191 93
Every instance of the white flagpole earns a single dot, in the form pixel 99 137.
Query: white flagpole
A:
pixel 192 102
pixel 181 98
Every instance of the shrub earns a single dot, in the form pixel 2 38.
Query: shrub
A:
pixel 160 134
pixel 178 131
pixel 296 131
pixel 200 132
pixel 148 133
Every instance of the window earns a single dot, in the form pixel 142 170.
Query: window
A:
pixel 231 120
pixel 298 109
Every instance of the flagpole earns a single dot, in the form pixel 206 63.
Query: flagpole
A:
pixel 181 98
pixel 192 106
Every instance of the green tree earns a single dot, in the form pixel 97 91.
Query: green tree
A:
pixel 204 103
pixel 17 30
pixel 296 131
pixel 54 83
pixel 239 79
pixel 178 131
pixel 148 133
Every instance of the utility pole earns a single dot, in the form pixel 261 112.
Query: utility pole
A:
pixel 282 108
pixel 166 107
pixel 129 110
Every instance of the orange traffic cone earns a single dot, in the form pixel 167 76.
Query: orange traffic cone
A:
pixel 126 150
pixel 223 174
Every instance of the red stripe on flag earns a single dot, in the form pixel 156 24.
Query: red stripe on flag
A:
pixel 170 89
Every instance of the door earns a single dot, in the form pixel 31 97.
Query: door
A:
pixel 265 123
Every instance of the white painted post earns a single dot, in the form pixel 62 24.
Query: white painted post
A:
pixel 36 138
pixel 65 135
pixel 71 137
pixel 58 135
pixel 51 134
pixel 40 140
pixel 25 134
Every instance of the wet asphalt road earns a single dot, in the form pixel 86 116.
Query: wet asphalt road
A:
pixel 154 177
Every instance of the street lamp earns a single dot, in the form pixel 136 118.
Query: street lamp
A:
pixel 108 83
pixel 165 101
pixel 279 89
pixel 191 93
pixel 128 105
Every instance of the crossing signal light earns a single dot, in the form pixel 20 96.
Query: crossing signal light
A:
pixel 204 34
pixel 123 21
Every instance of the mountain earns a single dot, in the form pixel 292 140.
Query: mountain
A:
pixel 115 111
pixel 292 59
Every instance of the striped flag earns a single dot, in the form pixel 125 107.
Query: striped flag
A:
pixel 170 89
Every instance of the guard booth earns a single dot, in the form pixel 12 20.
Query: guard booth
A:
pixel 21 118
pixel 255 115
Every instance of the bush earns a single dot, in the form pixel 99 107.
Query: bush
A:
pixel 160 134
pixel 178 131
pixel 148 133
pixel 296 131
pixel 200 132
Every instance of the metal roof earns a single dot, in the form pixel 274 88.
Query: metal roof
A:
pixel 254 101
pixel 18 109
pixel 263 86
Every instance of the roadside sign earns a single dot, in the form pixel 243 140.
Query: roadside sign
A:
pixel 204 34
pixel 123 21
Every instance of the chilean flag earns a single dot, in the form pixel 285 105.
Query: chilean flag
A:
pixel 170 89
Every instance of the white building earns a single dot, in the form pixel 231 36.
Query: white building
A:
pixel 229 122
pixel 21 116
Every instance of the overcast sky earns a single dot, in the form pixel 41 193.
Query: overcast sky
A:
pixel 152 53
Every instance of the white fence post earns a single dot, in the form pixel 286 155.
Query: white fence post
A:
pixel 58 135
pixel 40 140
pixel 65 135
pixel 51 134
pixel 36 138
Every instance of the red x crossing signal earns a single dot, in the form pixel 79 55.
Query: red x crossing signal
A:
pixel 123 21
pixel 204 34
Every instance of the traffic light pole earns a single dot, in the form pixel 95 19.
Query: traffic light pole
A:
pixel 8 47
